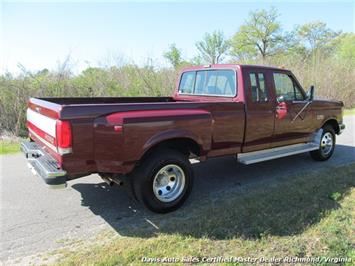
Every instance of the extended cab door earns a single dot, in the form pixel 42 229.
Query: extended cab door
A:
pixel 260 111
pixel 293 117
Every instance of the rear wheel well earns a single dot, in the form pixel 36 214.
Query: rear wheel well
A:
pixel 186 146
pixel 334 124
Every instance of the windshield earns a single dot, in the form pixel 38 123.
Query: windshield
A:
pixel 209 83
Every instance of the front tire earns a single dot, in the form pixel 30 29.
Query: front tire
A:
pixel 326 145
pixel 163 181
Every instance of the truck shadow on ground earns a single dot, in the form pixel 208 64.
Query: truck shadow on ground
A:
pixel 279 197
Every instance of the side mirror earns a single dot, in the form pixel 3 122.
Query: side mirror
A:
pixel 280 99
pixel 310 93
pixel 281 108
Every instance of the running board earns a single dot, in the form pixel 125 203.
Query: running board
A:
pixel 274 153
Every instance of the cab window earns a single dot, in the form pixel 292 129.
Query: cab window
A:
pixel 209 83
pixel 258 89
pixel 285 86
pixel 187 82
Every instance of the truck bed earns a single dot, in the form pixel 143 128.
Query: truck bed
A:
pixel 72 108
pixel 97 147
pixel 106 100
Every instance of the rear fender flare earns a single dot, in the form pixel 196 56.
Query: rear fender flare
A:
pixel 173 135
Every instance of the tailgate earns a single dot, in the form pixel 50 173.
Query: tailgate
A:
pixel 42 128
pixel 47 130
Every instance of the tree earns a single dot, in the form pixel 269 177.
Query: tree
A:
pixel 315 35
pixel 213 47
pixel 346 47
pixel 174 56
pixel 196 61
pixel 260 35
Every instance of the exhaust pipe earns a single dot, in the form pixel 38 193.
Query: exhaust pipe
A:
pixel 112 180
pixel 117 181
pixel 107 181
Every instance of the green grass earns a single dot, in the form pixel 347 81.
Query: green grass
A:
pixel 304 215
pixel 9 146
pixel 349 111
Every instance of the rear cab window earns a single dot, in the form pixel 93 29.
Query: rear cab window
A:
pixel 215 82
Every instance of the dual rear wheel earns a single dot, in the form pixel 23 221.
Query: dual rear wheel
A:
pixel 163 181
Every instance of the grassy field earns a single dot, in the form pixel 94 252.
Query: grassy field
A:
pixel 304 215
pixel 9 146
pixel 349 111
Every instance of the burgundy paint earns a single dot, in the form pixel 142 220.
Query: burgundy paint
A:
pixel 111 134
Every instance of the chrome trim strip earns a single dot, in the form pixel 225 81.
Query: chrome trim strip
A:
pixel 207 95
pixel 274 153
pixel 300 101
pixel 59 150
pixel 62 151
pixel 50 145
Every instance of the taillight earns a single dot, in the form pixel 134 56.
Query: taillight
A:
pixel 64 137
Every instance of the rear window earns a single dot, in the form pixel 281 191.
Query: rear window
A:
pixel 209 83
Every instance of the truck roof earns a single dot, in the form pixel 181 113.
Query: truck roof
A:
pixel 231 66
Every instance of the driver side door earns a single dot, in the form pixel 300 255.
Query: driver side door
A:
pixel 293 115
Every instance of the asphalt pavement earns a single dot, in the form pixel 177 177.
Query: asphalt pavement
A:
pixel 35 219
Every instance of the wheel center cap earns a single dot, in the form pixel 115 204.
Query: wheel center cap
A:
pixel 164 180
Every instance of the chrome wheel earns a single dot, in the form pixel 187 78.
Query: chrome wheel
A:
pixel 169 183
pixel 326 143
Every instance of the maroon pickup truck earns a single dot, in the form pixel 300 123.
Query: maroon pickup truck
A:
pixel 255 113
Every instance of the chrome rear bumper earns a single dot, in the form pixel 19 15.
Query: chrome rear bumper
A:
pixel 43 165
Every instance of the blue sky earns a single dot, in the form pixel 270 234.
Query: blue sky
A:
pixel 38 35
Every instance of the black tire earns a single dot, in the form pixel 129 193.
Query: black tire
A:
pixel 320 154
pixel 143 177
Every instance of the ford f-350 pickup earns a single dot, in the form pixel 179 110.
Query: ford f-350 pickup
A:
pixel 255 113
